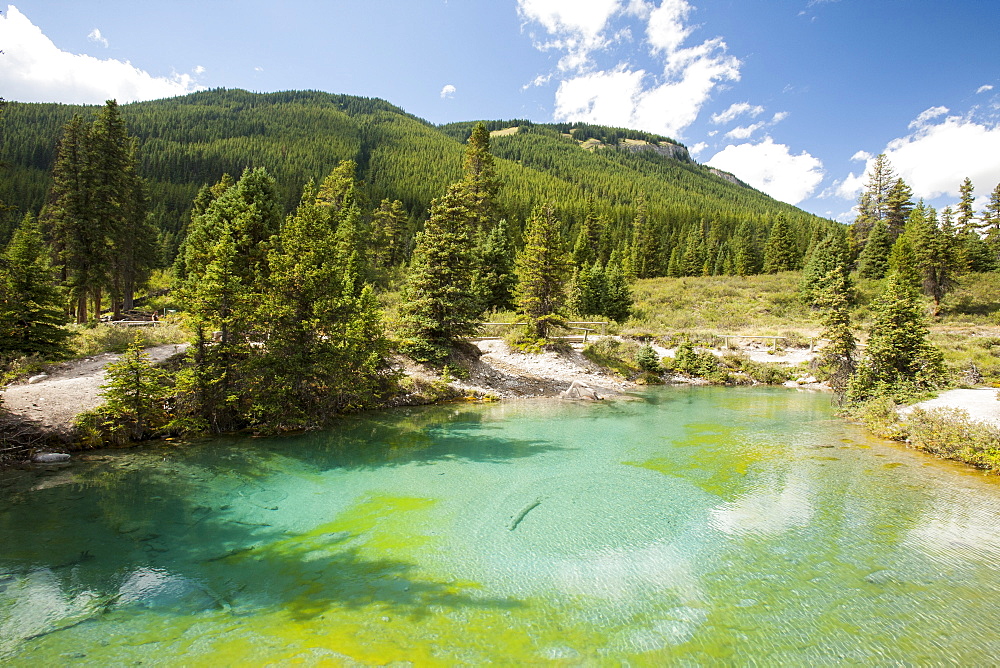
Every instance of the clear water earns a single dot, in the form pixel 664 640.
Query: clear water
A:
pixel 693 526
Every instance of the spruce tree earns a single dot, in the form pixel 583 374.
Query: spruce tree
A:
pixel 874 259
pixel 31 306
pixel 873 203
pixel 898 205
pixel 831 253
pixel 990 218
pixel 966 213
pixel 324 349
pixel 543 267
pixel 135 395
pixel 439 304
pixel 480 181
pixel 899 359
pixel 936 250
pixel 781 252
pixel 495 278
pixel 837 361
pixel 388 237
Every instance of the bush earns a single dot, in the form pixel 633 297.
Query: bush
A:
pixel 949 433
pixel 618 355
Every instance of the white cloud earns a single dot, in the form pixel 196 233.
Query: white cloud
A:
pixel 862 155
pixel 448 91
pixel 578 27
pixel 96 36
pixel 258 68
pixel 36 70
pixel 772 168
pixel 927 115
pixel 697 148
pixel 936 158
pixel 736 110
pixel 778 117
pixel 199 69
pixel 621 94
pixel 984 88
pixel 666 29
pixel 744 131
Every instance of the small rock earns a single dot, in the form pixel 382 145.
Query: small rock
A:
pixel 37 379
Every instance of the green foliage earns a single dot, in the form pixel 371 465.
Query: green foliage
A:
pixel 96 213
pixel 620 355
pixel 543 268
pixel 299 136
pixel 949 433
pixel 874 259
pixel 690 361
pixel 648 360
pixel 31 313
pixel 325 350
pixel 828 255
pixel 135 398
pixel 439 306
pixel 900 360
pixel 781 252
pixel 495 278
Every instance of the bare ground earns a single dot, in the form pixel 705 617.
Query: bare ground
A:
pixel 69 389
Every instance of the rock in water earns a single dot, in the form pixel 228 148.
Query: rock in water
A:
pixel 50 457
pixel 578 390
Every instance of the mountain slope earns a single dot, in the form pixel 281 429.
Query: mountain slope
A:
pixel 188 141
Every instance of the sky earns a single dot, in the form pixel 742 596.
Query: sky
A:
pixel 795 97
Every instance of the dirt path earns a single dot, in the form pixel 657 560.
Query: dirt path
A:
pixel 69 389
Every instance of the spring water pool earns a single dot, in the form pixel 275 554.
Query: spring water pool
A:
pixel 689 525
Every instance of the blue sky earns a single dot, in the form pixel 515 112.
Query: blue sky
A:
pixel 793 96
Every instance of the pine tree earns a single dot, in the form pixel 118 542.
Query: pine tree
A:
pixel 874 259
pixel 990 218
pixel 833 299
pixel 900 360
pixel 873 203
pixel 135 395
pixel 618 300
pixel 480 182
pixel 439 303
pixel 781 252
pixel 543 267
pixel 495 278
pixel 936 251
pixel 225 272
pixel 97 212
pixel 966 214
pixel 388 238
pixel 645 245
pixel 830 254
pixel 31 308
pixel 325 348
pixel 897 209
pixel 340 190
pixel 747 260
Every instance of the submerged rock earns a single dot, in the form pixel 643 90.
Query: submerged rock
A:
pixel 50 457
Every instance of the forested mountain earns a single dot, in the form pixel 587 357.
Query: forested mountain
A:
pixel 187 142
